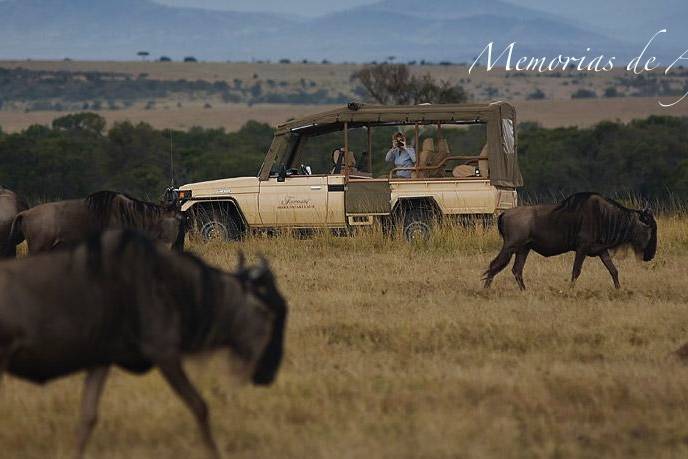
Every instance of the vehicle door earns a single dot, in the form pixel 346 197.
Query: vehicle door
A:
pixel 299 200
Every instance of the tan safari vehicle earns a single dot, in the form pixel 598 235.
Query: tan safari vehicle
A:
pixel 466 167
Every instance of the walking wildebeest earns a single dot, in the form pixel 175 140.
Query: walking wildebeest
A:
pixel 585 223
pixel 10 206
pixel 119 299
pixel 50 225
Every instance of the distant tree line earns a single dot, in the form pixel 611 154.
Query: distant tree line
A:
pixel 77 155
pixel 43 88
pixel 645 158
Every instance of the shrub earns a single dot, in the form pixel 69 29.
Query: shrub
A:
pixel 583 93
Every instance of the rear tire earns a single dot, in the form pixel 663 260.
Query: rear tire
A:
pixel 417 225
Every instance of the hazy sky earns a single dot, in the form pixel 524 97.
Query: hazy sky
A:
pixel 298 7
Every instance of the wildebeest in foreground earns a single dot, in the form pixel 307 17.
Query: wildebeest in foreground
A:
pixel 119 299
pixel 585 223
pixel 53 224
pixel 10 206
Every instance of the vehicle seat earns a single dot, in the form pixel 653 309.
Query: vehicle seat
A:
pixel 425 157
pixel 463 171
pixel 349 162
pixel 483 163
pixel 441 154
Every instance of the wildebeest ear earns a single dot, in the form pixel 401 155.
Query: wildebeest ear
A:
pixel 260 272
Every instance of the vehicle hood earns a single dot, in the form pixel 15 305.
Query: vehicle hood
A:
pixel 221 187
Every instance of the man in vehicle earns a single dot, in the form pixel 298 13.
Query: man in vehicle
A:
pixel 401 155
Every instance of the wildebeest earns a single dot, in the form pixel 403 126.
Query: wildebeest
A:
pixel 119 299
pixel 50 225
pixel 10 206
pixel 586 223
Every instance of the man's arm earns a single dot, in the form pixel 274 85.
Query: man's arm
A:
pixel 412 153
pixel 389 157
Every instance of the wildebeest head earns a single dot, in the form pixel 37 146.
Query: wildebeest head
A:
pixel 173 228
pixel 261 290
pixel 645 235
pixel 113 210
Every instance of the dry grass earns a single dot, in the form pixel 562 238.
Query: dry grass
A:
pixel 549 113
pixel 394 350
pixel 557 110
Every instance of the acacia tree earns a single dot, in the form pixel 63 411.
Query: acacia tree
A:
pixel 394 84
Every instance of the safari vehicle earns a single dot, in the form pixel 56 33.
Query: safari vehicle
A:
pixel 466 167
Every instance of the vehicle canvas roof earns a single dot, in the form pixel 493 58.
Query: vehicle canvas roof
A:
pixel 499 116
pixel 356 113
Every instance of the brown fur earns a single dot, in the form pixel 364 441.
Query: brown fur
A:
pixel 118 299
pixel 10 206
pixel 54 224
pixel 585 223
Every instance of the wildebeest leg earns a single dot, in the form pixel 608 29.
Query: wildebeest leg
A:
pixel 93 389
pixel 609 264
pixel 577 266
pixel 520 262
pixel 499 263
pixel 176 377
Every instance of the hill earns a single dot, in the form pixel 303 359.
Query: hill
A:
pixel 440 30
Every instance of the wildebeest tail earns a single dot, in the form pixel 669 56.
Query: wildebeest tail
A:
pixel 15 237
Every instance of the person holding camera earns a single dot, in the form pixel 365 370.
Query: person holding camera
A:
pixel 401 155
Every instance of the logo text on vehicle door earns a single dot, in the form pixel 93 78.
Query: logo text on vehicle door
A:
pixel 291 202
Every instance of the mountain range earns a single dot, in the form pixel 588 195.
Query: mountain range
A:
pixel 434 30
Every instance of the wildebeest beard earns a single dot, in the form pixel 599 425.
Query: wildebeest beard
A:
pixel 651 248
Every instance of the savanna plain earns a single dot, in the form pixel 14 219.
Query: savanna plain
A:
pixel 395 350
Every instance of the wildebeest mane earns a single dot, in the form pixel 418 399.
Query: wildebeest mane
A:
pixel 578 200
pixel 132 215
pixel 194 301
pixel 612 223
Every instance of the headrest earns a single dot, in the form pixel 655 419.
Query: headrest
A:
pixel 428 144
pixel 443 146
pixel 483 152
pixel 463 170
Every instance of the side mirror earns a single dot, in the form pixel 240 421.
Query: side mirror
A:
pixel 282 175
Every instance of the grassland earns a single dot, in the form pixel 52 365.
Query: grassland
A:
pixel 395 350
pixel 549 113
pixel 183 111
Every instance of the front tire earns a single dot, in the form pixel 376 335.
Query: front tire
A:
pixel 217 226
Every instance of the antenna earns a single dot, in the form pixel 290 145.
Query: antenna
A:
pixel 171 162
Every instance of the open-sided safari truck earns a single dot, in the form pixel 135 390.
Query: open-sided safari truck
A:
pixel 466 166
